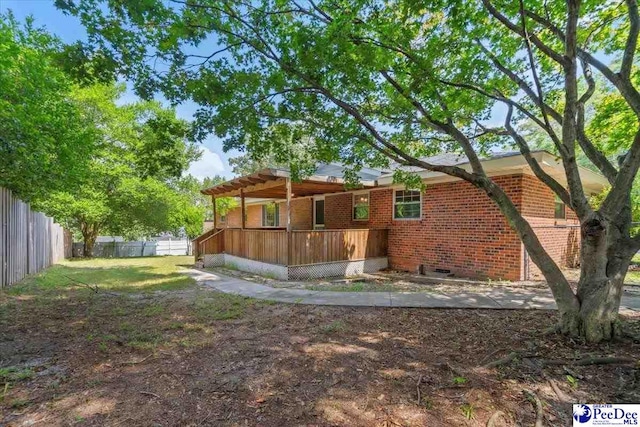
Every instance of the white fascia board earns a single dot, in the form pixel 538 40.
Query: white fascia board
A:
pixel 592 182
pixel 493 165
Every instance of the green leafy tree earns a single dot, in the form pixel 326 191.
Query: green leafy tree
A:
pixel 245 165
pixel 127 191
pixel 190 187
pixel 45 142
pixel 370 82
pixel 294 151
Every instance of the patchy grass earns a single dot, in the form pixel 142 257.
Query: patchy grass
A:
pixel 356 286
pixel 632 277
pixel 223 307
pixel 193 356
pixel 132 275
pixel 14 374
pixel 333 327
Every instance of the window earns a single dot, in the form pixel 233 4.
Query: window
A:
pixel 223 218
pixel 270 215
pixel 407 204
pixel 361 206
pixel 560 212
pixel 318 213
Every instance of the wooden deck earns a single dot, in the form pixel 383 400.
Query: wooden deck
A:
pixel 293 248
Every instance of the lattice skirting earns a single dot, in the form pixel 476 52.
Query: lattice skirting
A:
pixel 337 269
pixel 215 260
pixel 298 272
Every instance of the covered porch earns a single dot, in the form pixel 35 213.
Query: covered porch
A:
pixel 281 250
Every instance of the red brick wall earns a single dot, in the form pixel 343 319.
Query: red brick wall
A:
pixel 233 219
pixel 300 216
pixel 461 230
pixel 339 210
pixel 560 237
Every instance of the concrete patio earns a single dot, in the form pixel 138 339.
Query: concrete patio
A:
pixel 499 298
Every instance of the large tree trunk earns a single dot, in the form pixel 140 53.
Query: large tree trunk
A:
pixel 89 236
pixel 89 243
pixel 604 264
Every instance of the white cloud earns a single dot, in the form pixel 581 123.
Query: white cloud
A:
pixel 209 165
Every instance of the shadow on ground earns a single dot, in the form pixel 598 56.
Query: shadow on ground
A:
pixel 198 357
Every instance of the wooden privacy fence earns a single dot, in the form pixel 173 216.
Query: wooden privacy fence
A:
pixel 29 241
pixel 300 247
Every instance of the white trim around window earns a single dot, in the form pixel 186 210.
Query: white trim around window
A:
pixel 361 204
pixel 406 199
pixel 271 215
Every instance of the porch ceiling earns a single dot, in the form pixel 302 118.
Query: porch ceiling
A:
pixel 271 184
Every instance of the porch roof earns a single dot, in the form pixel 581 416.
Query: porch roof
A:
pixel 271 183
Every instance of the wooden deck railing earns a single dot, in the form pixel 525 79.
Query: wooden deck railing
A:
pixel 313 247
pixel 298 247
pixel 198 242
pixel 259 245
pixel 213 244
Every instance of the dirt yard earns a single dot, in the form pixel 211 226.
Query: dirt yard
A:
pixel 148 347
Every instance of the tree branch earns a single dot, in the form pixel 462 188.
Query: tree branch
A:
pixel 595 156
pixel 534 71
pixel 522 84
pixel 621 189
pixel 533 163
pixel 632 40
pixel 448 128
pixel 514 28
pixel 580 203
pixel 627 90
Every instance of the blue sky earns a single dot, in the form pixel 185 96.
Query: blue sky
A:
pixel 213 162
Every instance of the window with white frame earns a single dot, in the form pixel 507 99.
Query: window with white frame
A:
pixel 270 215
pixel 361 206
pixel 407 204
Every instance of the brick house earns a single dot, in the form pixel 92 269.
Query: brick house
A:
pixel 450 227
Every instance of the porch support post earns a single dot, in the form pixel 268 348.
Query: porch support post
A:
pixel 242 211
pixel 288 184
pixel 288 204
pixel 215 220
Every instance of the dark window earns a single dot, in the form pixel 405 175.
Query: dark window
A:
pixel 319 212
pixel 406 204
pixel 223 218
pixel 560 211
pixel 270 215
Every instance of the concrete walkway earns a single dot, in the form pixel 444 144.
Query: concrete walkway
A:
pixel 497 298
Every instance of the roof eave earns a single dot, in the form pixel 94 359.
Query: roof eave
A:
pixel 592 181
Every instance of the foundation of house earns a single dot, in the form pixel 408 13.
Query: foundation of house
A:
pixel 297 272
